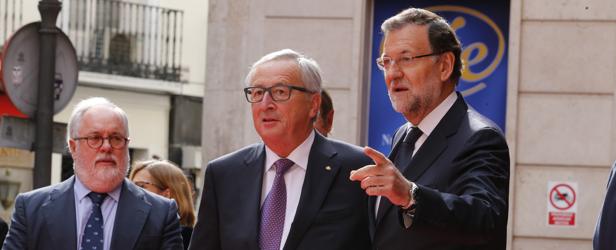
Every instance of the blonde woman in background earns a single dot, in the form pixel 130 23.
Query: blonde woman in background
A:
pixel 166 179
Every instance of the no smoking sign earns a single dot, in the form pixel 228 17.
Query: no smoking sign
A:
pixel 562 205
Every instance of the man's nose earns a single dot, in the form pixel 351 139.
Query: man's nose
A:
pixel 393 72
pixel 393 69
pixel 267 98
pixel 106 146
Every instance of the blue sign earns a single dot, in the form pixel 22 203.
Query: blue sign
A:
pixel 482 27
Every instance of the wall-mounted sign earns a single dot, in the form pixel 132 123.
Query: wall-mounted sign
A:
pixel 562 203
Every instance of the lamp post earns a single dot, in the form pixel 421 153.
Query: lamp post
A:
pixel 49 10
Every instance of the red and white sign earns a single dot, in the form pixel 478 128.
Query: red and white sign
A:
pixel 562 203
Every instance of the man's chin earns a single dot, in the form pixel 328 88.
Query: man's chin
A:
pixel 272 136
pixel 402 106
pixel 398 107
pixel 102 179
pixel 269 131
pixel 106 184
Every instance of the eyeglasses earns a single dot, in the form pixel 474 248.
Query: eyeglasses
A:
pixel 96 141
pixel 385 62
pixel 279 92
pixel 142 184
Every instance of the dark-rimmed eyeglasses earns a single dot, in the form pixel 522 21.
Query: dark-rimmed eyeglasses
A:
pixel 96 141
pixel 385 62
pixel 279 92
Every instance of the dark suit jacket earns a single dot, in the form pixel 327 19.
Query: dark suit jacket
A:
pixel 331 213
pixel 462 171
pixel 4 229
pixel 606 224
pixel 45 219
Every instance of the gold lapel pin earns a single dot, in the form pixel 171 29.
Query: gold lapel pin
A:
pixel 328 168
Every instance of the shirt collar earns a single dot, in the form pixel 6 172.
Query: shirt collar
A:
pixel 429 123
pixel 82 191
pixel 299 155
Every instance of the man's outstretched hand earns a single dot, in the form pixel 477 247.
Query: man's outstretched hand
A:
pixel 383 179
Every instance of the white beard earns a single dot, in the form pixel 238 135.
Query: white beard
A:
pixel 100 179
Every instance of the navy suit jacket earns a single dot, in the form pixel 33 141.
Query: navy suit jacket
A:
pixel 331 213
pixel 45 219
pixel 606 224
pixel 462 171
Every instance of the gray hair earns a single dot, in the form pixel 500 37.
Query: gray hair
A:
pixel 441 36
pixel 308 68
pixel 84 105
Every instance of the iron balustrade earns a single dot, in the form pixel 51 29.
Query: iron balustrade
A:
pixel 125 38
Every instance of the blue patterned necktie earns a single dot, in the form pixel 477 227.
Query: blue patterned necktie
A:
pixel 93 234
pixel 274 208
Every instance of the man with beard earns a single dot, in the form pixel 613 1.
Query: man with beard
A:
pixel 445 183
pixel 97 208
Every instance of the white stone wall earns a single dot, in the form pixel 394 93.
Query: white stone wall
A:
pixel 561 114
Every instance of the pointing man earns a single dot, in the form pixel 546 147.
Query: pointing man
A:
pixel 445 184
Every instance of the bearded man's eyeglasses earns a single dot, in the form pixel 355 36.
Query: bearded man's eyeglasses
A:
pixel 96 141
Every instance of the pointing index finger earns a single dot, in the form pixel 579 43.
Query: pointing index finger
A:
pixel 378 157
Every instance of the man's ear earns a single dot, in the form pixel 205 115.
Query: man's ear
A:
pixel 315 105
pixel 446 65
pixel 71 146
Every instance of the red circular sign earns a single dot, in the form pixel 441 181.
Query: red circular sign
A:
pixel 564 193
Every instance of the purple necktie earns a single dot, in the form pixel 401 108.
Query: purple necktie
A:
pixel 274 208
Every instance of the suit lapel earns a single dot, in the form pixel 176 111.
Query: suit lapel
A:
pixel 431 148
pixel 437 142
pixel 317 181
pixel 249 200
pixel 131 215
pixel 397 140
pixel 59 212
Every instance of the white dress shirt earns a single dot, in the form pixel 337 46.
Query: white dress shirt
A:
pixel 293 178
pixel 427 125
pixel 83 209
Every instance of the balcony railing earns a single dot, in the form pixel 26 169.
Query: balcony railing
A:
pixel 11 18
pixel 125 38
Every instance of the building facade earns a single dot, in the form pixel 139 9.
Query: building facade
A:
pixel 146 56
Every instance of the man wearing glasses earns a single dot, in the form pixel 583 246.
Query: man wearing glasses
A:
pixel 292 190
pixel 97 208
pixel 445 183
